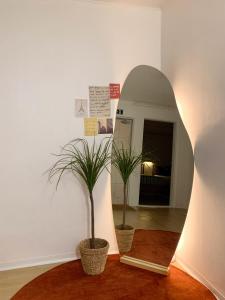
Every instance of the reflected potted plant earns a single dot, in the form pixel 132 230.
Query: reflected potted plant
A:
pixel 125 161
pixel 87 162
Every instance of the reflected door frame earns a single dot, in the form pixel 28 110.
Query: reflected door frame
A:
pixel 172 202
pixel 149 111
pixel 123 118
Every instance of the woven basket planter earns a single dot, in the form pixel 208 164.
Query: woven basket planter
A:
pixel 93 260
pixel 124 237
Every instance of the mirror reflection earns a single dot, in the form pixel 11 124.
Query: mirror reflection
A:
pixel 158 190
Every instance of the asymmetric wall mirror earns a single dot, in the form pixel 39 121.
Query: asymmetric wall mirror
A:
pixel 159 188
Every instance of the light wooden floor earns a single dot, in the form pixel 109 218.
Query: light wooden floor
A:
pixel 13 280
pixel 168 219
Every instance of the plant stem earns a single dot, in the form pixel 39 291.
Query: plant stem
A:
pixel 124 205
pixel 92 241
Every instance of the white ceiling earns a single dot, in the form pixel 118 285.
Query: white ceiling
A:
pixel 152 3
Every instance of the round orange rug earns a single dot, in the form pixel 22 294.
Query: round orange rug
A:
pixel 117 282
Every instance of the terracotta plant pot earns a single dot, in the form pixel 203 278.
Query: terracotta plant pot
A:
pixel 93 260
pixel 124 237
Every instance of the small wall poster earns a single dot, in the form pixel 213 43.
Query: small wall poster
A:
pixel 99 101
pixel 114 89
pixel 105 126
pixel 81 108
pixel 90 126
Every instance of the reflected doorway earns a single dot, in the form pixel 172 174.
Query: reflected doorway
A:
pixel 155 183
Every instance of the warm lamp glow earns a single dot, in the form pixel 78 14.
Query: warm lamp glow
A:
pixel 180 109
pixel 148 168
pixel 180 244
pixel 148 163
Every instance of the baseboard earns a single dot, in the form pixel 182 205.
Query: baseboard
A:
pixel 43 260
pixel 195 274
pixel 37 261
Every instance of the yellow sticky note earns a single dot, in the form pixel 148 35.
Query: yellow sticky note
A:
pixel 90 126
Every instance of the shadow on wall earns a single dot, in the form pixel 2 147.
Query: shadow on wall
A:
pixel 209 154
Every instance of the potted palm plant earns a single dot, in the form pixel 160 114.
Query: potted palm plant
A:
pixel 125 161
pixel 88 162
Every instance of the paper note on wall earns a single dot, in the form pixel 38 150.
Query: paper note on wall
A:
pixel 99 101
pixel 114 89
pixel 81 108
pixel 105 126
pixel 90 126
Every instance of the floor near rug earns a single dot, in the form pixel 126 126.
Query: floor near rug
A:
pixel 117 282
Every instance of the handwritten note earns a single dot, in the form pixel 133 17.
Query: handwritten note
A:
pixel 90 126
pixel 99 101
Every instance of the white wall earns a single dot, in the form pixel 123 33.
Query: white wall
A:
pixel 50 52
pixel 182 154
pixel 193 48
